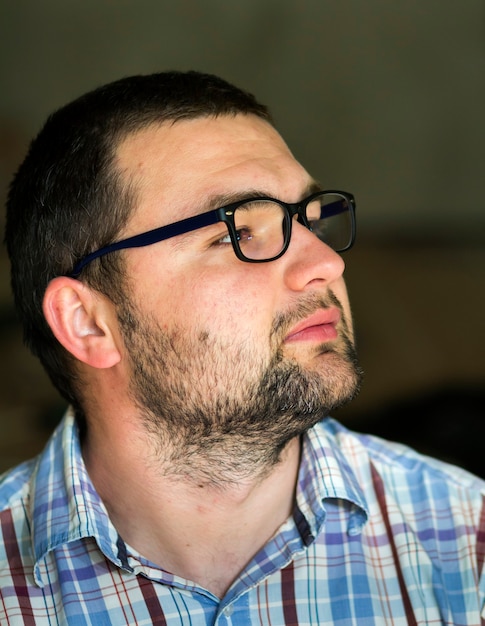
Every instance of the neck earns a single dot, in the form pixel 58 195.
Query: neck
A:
pixel 204 520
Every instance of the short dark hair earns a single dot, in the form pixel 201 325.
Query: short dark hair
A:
pixel 68 199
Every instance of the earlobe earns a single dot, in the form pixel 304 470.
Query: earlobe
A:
pixel 81 322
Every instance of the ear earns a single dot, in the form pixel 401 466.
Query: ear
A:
pixel 81 320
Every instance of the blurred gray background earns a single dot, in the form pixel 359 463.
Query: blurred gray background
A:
pixel 383 99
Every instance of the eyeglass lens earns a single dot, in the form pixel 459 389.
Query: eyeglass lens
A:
pixel 260 225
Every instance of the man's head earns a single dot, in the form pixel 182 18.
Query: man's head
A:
pixel 205 346
pixel 69 198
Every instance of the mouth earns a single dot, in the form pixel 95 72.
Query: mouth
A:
pixel 320 327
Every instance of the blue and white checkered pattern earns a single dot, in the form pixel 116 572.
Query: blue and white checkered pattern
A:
pixel 379 535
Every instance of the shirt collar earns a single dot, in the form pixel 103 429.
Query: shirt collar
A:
pixel 324 475
pixel 65 506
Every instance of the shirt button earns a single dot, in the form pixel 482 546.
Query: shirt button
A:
pixel 229 610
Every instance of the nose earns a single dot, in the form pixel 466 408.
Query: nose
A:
pixel 309 261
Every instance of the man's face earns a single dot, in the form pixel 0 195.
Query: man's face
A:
pixel 221 350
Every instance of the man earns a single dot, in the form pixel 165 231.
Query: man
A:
pixel 178 273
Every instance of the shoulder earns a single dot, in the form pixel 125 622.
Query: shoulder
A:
pixel 15 522
pixel 15 485
pixel 24 490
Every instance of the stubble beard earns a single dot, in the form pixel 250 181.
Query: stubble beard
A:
pixel 219 414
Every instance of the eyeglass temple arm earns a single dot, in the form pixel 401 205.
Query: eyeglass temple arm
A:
pixel 149 238
pixel 337 207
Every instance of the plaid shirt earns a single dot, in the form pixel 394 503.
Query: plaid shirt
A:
pixel 379 535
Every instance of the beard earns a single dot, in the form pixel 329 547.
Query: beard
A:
pixel 219 411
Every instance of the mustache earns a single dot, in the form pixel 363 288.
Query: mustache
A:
pixel 283 322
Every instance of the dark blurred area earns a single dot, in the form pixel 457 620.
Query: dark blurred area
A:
pixel 448 423
pixel 382 99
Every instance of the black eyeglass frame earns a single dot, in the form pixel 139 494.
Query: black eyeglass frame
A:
pixel 226 214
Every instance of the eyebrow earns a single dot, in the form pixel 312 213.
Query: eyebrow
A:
pixel 217 201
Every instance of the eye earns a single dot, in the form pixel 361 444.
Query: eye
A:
pixel 224 240
pixel 244 234
pixel 220 240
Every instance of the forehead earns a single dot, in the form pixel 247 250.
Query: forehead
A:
pixel 179 164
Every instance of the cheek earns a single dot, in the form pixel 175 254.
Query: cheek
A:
pixel 224 304
pixel 226 300
pixel 232 306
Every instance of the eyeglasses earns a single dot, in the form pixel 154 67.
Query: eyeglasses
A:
pixel 259 228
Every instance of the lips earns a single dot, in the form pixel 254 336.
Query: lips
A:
pixel 320 326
